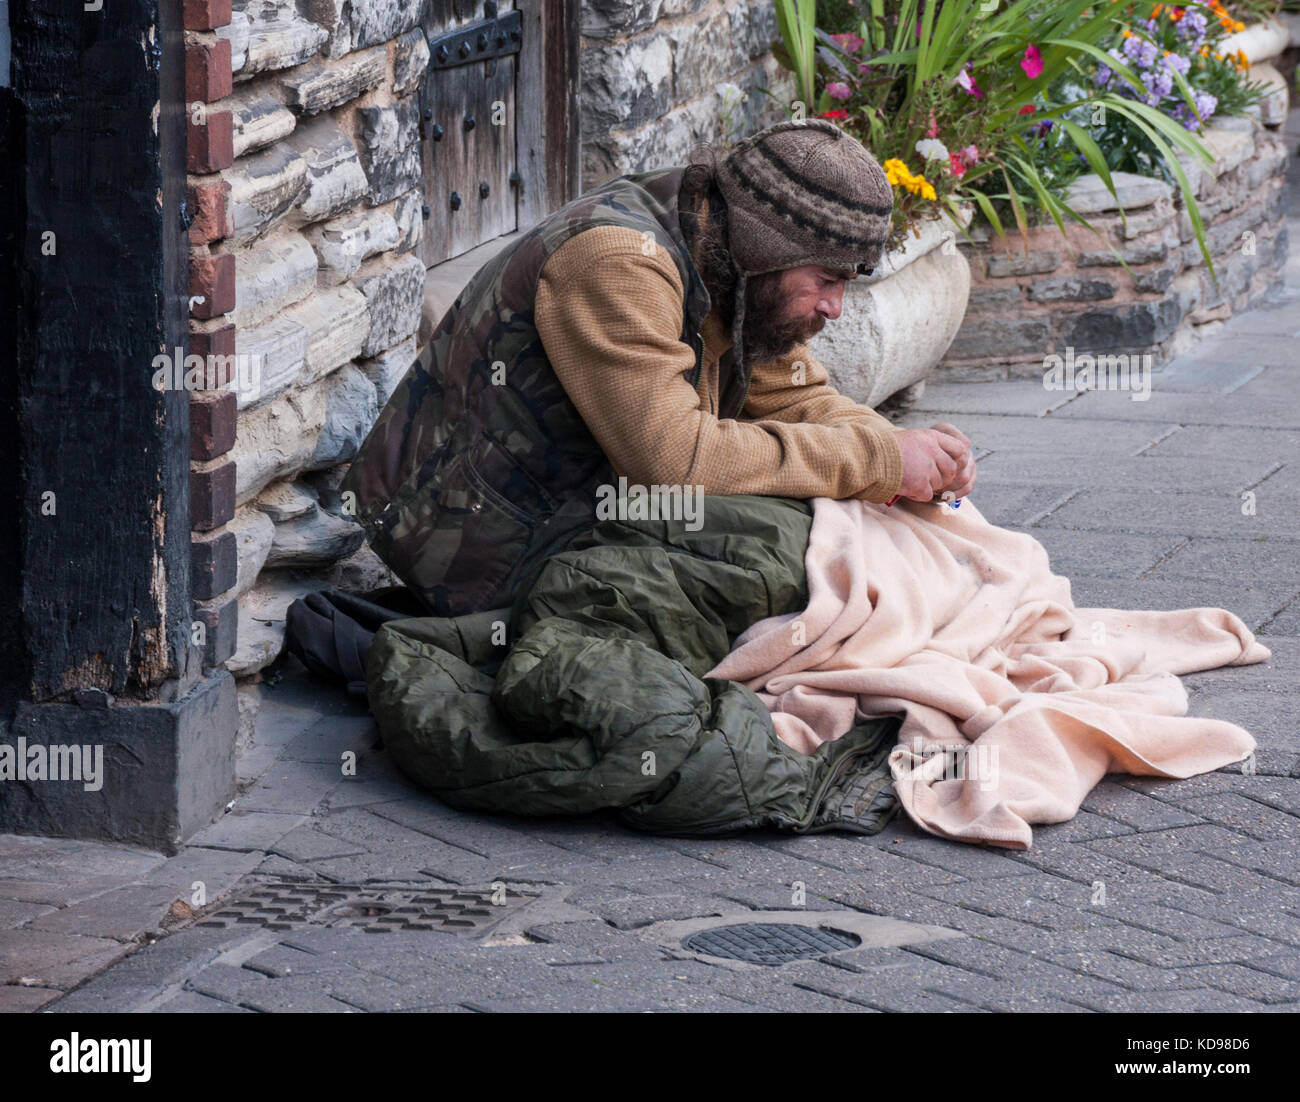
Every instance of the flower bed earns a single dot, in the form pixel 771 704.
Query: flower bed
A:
pixel 1031 299
pixel 1046 119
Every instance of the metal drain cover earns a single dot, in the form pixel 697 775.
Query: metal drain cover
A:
pixel 769 943
pixel 373 908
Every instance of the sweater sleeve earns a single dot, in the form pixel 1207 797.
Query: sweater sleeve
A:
pixel 609 314
pixel 795 388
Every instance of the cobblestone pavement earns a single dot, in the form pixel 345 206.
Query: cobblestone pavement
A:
pixel 1138 502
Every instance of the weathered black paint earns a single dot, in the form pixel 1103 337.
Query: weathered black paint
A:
pixel 104 595
pixel 97 596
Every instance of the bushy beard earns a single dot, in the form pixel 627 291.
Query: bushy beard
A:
pixel 767 332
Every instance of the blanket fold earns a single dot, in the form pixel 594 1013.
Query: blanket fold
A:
pixel 1015 702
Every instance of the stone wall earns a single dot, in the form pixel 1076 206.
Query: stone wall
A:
pixel 1029 300
pixel 649 76
pixel 311 221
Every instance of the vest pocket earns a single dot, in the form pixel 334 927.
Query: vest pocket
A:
pixel 476 530
pixel 501 480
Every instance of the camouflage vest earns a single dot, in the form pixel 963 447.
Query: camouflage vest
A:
pixel 479 465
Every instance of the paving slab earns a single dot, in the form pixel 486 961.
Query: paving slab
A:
pixel 120 914
pixel 1144 471
pixel 1228 442
pixel 48 959
pixel 244 830
pixel 15 912
pixel 23 1000
pixel 1020 397
pixel 63 860
pixel 1255 606
pixel 1164 407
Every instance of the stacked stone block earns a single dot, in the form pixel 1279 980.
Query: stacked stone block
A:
pixel 649 71
pixel 322 211
pixel 1030 299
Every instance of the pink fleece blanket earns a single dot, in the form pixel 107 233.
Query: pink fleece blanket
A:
pixel 1016 702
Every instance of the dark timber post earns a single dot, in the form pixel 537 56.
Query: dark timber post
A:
pixel 97 650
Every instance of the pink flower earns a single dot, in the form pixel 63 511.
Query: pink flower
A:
pixel 849 42
pixel 966 82
pixel 1032 62
pixel 955 165
pixel 933 132
pixel 970 155
pixel 838 90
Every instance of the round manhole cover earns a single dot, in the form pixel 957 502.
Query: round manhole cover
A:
pixel 769 942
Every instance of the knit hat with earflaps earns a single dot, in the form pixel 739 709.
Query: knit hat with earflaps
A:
pixel 801 192
pixel 804 192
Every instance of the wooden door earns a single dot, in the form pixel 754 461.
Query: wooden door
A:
pixel 498 112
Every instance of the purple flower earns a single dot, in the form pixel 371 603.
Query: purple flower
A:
pixel 1159 83
pixel 1178 63
pixel 838 90
pixel 1206 104
pixel 1191 28
pixel 1139 51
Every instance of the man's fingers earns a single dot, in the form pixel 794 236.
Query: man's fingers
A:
pixel 946 466
pixel 952 430
pixel 951 446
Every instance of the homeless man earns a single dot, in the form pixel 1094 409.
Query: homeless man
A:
pixel 652 329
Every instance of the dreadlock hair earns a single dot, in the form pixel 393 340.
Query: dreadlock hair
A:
pixel 702 214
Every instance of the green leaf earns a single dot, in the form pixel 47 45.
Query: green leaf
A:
pixel 1185 186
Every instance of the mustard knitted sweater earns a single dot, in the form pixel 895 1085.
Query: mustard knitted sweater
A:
pixel 610 319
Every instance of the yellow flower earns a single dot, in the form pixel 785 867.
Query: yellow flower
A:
pixel 927 192
pixel 896 172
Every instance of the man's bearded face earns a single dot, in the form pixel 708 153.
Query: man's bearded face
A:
pixel 783 309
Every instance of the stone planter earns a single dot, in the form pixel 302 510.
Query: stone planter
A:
pixel 1042 297
pixel 898 322
pixel 1262 43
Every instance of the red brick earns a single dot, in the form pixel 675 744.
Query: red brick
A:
pixel 210 145
pixel 212 496
pixel 214 564
pixel 206 15
pixel 220 621
pixel 212 424
pixel 207 205
pixel 207 71
pixel 212 277
pixel 212 340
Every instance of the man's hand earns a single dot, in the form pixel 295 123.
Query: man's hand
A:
pixel 964 481
pixel 936 461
